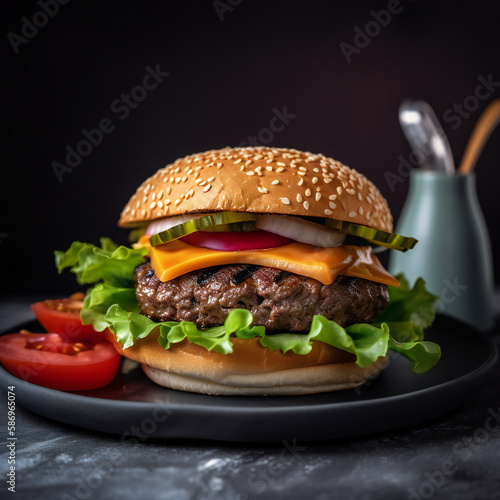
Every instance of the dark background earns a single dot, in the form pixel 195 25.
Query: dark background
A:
pixel 225 78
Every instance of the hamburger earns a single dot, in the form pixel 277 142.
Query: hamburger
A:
pixel 255 273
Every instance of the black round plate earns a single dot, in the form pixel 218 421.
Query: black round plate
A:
pixel 135 408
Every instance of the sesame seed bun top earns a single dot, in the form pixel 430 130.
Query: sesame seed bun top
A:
pixel 259 180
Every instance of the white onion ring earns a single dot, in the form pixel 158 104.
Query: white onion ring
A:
pixel 163 224
pixel 301 230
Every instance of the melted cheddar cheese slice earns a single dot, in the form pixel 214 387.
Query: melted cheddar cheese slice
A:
pixel 176 258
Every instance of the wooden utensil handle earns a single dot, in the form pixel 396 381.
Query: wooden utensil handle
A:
pixel 481 133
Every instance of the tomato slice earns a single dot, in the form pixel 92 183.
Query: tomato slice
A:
pixel 63 316
pixel 235 241
pixel 49 360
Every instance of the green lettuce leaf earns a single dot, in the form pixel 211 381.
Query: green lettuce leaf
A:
pixel 409 312
pixel 111 264
pixel 112 304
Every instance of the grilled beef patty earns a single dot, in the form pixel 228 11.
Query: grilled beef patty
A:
pixel 279 300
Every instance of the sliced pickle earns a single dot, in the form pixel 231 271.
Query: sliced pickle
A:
pixel 376 236
pixel 135 234
pixel 198 224
pixel 235 227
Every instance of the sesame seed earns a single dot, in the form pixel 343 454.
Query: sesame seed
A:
pixel 308 192
pixel 220 165
pixel 210 179
pixel 360 210
pixel 299 198
pixel 237 161
pixel 318 196
pixel 316 169
pixel 159 195
pixel 350 191
pixel 275 182
pixel 301 173
pixel 159 204
pixel 285 201
pixel 262 190
pixel 202 183
pixel 306 205
pixel 339 190
pixel 250 173
pixel 166 202
pixel 178 169
pixel 304 169
pixel 301 181
pixel 315 180
pixel 332 205
pixel 177 180
pixel 197 169
pixel 196 174
pixel 207 188
pixel 269 169
pixel 332 197
pixel 352 214
pixel 270 160
pixel 143 212
pixel 184 179
pixel 281 164
pixel 328 212
pixel 177 202
pixel 279 169
pixel 153 195
pixel 327 181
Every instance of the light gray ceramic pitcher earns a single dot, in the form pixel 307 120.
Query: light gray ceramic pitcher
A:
pixel 453 254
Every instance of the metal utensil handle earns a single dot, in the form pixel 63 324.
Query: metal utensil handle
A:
pixel 425 134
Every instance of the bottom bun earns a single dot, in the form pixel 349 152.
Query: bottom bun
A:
pixel 295 381
pixel 250 369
